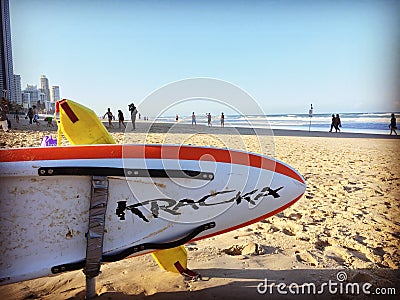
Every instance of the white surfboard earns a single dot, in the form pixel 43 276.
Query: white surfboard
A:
pixel 159 196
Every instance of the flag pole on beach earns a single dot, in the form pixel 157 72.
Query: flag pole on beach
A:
pixel 310 112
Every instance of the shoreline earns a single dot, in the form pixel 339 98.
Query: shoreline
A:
pixel 148 127
pixel 347 221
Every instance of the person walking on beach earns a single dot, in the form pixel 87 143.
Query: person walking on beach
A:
pixel 121 119
pixel 332 123
pixel 193 119
pixel 337 123
pixel 310 114
pixel 209 120
pixel 35 115
pixel 110 117
pixel 393 125
pixel 222 120
pixel 30 115
pixel 133 111
pixel 176 118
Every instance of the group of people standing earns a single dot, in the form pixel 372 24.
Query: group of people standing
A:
pixel 209 119
pixel 121 119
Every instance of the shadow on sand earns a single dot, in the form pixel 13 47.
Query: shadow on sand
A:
pixel 305 284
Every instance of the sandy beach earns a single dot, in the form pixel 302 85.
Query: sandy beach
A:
pixel 347 221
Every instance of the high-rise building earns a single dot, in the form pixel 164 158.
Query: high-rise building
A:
pixel 44 87
pixel 54 93
pixel 17 88
pixel 34 94
pixel 6 68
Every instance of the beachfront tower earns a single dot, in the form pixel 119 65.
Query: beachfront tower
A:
pixel 44 87
pixel 17 89
pixel 6 69
pixel 54 93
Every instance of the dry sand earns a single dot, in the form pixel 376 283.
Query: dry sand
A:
pixel 347 221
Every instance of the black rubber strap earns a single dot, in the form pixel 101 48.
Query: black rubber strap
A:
pixel 134 249
pixel 157 246
pixel 122 172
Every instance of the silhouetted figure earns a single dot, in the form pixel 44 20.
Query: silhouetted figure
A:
pixel 121 119
pixel 337 123
pixel 30 114
pixel 333 122
pixel 393 125
pixel 133 110
pixel 110 116
pixel 193 118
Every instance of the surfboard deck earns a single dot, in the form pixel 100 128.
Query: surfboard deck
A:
pixel 157 194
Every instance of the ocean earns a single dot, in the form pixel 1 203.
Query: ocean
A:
pixel 377 123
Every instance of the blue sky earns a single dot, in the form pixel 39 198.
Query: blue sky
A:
pixel 342 56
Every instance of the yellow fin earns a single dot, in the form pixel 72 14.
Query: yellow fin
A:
pixel 80 125
pixel 168 257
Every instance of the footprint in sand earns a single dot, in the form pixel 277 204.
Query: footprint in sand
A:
pixel 360 239
pixel 306 258
pixel 346 256
pixel 310 195
pixel 247 249
pixel 320 244
pixel 295 216
pixel 288 232
pixel 388 205
pixel 351 189
pixel 316 221
pixel 273 229
pixel 364 253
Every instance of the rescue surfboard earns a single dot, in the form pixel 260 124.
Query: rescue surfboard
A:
pixel 159 197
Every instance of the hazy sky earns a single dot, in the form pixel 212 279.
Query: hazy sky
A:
pixel 342 56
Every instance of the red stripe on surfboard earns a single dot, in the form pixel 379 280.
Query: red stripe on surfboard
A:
pixel 148 152
pixel 270 214
pixel 68 110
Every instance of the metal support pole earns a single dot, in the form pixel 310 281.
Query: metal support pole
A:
pixel 95 234
pixel 90 287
